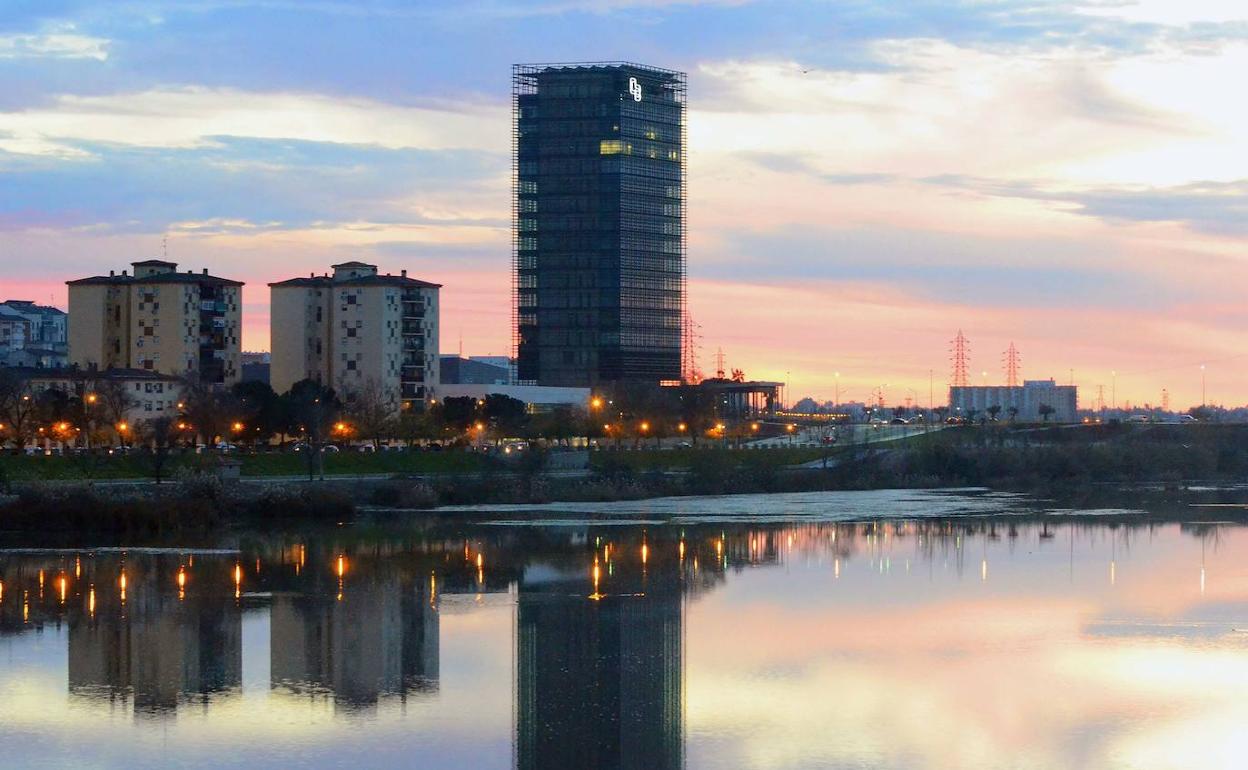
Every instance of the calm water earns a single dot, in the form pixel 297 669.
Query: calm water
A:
pixel 912 642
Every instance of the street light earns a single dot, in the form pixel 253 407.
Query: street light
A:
pixel 595 403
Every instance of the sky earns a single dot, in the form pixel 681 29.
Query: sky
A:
pixel 866 177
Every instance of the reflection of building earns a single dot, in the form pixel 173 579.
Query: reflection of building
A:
pixel 378 639
pixel 599 679
pixel 357 330
pixel 599 236
pixel 157 649
pixel 1028 400
pixel 157 319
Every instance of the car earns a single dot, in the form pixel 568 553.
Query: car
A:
pixel 900 421
pixel 366 448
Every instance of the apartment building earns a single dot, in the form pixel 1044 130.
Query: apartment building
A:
pixel 136 395
pixel 158 319
pixel 356 330
pixel 31 335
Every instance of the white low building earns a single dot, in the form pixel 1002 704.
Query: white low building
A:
pixel 537 398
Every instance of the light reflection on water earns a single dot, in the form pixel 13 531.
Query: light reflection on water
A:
pixel 969 643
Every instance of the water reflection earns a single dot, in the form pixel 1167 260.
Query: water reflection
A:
pixel 639 646
pixel 153 648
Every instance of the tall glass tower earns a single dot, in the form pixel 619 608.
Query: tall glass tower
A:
pixel 598 241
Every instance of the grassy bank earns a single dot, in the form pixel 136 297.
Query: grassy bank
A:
pixel 1073 464
pixel 16 468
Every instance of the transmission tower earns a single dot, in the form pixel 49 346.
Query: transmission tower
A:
pixel 689 369
pixel 960 357
pixel 1165 400
pixel 719 363
pixel 1012 366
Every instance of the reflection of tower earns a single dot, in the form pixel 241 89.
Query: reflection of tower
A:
pixel 157 649
pixel 379 639
pixel 599 679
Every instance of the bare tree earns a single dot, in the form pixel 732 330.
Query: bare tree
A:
pixel 18 407
pixel 370 413
pixel 314 409
pixel 208 410
pixel 158 434
pixel 114 401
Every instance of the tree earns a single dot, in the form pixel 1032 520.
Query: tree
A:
pixel 415 425
pixel 559 424
pixel 370 414
pixel 507 416
pixel 994 411
pixel 18 409
pixel 259 408
pixel 1045 410
pixel 314 409
pixel 1013 413
pixel 158 434
pixel 114 401
pixel 459 413
pixel 209 410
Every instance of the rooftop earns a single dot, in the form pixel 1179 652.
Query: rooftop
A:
pixel 322 281
pixel 170 277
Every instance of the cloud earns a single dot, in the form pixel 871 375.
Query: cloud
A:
pixel 53 45
pixel 189 117
pixel 232 184
pixel 1209 207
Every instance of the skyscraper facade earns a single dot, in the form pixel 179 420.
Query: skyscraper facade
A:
pixel 599 223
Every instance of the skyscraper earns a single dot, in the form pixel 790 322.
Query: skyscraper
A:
pixel 599 222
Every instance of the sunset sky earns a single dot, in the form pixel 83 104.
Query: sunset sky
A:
pixel 865 177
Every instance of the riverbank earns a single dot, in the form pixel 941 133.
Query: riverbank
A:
pixel 1075 466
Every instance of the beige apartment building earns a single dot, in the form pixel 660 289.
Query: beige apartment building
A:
pixel 356 330
pixel 158 319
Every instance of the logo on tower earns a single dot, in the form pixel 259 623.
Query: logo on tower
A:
pixel 634 88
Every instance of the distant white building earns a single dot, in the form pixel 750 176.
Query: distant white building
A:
pixel 32 335
pixel 1027 399
pixel 537 398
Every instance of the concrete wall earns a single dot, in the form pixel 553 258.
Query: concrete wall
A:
pixel 88 328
